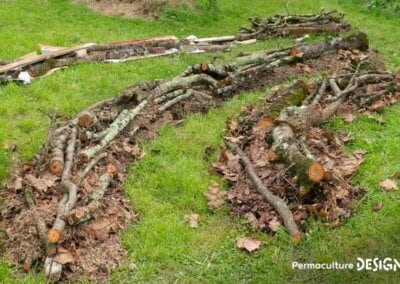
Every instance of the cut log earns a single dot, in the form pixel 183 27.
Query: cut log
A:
pixel 356 41
pixel 56 163
pixel 286 146
pixel 170 95
pixel 214 40
pixel 198 48
pixel 52 269
pixel 165 41
pixel 185 83
pixel 86 119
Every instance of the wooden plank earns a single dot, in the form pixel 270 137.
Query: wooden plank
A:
pixel 46 49
pixel 27 56
pixel 214 39
pixel 139 40
pixel 42 57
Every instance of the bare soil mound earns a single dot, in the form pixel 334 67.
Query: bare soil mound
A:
pixel 132 8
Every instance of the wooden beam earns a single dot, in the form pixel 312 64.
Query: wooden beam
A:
pixel 39 58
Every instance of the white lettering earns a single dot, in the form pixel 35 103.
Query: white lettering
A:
pixel 360 264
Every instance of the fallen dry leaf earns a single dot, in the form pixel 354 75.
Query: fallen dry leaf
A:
pixel 377 105
pixel 215 196
pixel 127 147
pixel 39 184
pixel 231 125
pixel 274 224
pixel 192 220
pixel 388 184
pixel 348 117
pixel 63 258
pixel 18 183
pixel 377 206
pixel 136 151
pixel 303 68
pixel 9 146
pixel 377 118
pixel 265 124
pixel 248 244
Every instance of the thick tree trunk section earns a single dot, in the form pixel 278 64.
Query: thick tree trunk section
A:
pixel 163 41
pixel 294 95
pixel 304 168
pixel 356 41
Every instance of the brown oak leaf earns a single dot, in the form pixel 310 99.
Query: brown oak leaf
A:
pixel 248 244
pixel 388 184
pixel 192 220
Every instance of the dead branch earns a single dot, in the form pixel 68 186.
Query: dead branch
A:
pixel 70 196
pixel 175 100
pixel 46 145
pixel 83 214
pixel 125 117
pixel 185 83
pixel 279 204
pixel 89 167
pixel 170 95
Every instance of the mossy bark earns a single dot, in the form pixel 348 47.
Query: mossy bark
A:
pixel 294 95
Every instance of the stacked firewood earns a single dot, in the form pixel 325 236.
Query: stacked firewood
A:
pixel 82 158
pixel 294 25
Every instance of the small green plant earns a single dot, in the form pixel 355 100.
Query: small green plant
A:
pixel 212 5
pixel 389 5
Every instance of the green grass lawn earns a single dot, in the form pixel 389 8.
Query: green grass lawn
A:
pixel 164 187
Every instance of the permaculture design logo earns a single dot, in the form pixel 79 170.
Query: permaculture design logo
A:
pixel 369 264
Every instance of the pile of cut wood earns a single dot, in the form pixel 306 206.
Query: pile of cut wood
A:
pixel 283 167
pixel 65 208
pixel 294 25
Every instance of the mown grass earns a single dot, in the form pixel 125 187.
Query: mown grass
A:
pixel 169 183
